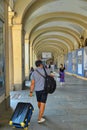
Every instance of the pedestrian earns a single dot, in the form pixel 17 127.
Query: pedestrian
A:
pixel 62 74
pixel 37 84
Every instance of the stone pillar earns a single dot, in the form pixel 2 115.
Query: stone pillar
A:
pixel 34 59
pixel 17 55
pixel 11 14
pixel 26 58
pixel 84 36
pixel 60 59
pixel 31 56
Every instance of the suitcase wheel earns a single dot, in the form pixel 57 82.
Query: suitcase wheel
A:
pixel 10 122
pixel 22 124
pixel 30 107
pixel 29 123
pixel 26 128
pixel 25 119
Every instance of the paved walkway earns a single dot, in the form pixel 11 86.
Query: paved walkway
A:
pixel 66 108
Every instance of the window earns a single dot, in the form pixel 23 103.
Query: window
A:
pixel 2 64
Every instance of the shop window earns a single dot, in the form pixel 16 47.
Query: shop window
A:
pixel 2 73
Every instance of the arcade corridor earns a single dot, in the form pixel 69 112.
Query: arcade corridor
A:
pixel 54 31
pixel 66 109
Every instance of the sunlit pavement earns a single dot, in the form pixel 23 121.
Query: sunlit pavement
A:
pixel 66 108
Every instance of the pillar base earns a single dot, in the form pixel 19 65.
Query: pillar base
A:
pixel 17 87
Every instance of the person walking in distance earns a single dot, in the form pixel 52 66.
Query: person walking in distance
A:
pixel 37 84
pixel 62 74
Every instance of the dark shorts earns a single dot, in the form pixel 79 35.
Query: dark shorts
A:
pixel 41 96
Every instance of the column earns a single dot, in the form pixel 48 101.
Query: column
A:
pixel 85 37
pixel 60 59
pixel 31 56
pixel 11 15
pixel 34 59
pixel 17 55
pixel 26 58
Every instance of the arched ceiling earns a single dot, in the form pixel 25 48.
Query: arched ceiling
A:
pixel 52 25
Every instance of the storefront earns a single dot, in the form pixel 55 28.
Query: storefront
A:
pixel 2 58
pixel 2 51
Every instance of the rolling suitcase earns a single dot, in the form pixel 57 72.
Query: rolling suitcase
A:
pixel 22 115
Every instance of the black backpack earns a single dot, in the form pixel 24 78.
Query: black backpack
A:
pixel 50 83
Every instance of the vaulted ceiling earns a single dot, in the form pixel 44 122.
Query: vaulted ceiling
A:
pixel 52 25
